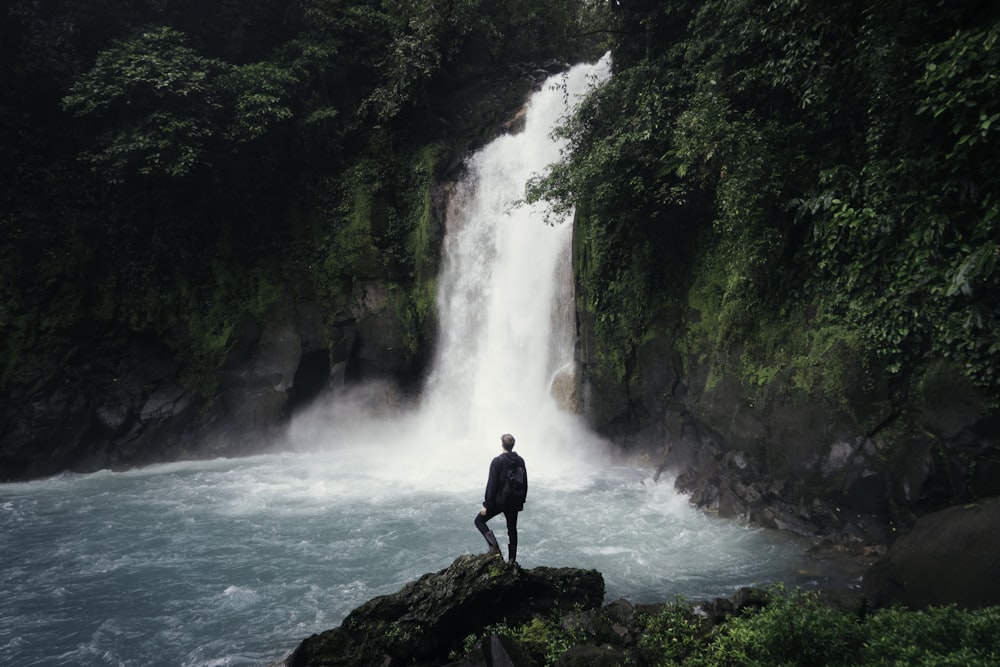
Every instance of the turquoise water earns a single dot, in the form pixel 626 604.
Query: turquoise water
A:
pixel 233 562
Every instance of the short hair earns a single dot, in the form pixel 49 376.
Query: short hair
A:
pixel 507 440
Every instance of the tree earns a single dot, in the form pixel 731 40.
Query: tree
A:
pixel 158 104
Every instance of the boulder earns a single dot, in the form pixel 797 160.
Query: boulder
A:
pixel 949 557
pixel 430 617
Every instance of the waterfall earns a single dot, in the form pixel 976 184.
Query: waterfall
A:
pixel 505 298
pixel 505 356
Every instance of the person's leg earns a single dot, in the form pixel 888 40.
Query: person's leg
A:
pixel 491 539
pixel 481 520
pixel 511 517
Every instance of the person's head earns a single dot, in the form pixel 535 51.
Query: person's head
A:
pixel 507 442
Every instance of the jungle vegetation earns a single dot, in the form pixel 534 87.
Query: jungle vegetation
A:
pixel 783 177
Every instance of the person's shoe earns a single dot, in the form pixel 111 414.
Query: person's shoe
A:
pixel 512 553
pixel 491 540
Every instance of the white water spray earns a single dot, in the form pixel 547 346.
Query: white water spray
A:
pixel 506 286
pixel 506 318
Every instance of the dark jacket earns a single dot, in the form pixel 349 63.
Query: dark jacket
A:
pixel 498 472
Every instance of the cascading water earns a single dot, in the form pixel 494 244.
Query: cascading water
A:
pixel 505 299
pixel 506 330
pixel 506 321
pixel 233 562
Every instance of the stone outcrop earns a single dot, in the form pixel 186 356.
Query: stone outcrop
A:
pixel 949 557
pixel 430 618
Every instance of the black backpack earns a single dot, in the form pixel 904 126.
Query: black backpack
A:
pixel 515 487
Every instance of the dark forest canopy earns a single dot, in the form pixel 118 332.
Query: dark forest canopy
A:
pixel 795 166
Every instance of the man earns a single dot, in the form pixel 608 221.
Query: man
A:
pixel 498 499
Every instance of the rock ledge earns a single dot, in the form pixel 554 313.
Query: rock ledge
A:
pixel 429 618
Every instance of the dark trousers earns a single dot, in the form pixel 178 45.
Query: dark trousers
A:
pixel 510 515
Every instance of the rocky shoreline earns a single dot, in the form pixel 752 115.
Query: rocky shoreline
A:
pixel 484 612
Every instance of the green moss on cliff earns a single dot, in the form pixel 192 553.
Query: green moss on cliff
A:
pixel 785 352
pixel 422 241
pixel 380 225
pixel 211 318
pixel 424 238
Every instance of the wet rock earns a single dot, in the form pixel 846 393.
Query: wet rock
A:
pixel 949 557
pixel 848 470
pixel 46 436
pixel 430 617
pixel 416 625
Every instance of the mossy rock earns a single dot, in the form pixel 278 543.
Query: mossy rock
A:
pixel 430 617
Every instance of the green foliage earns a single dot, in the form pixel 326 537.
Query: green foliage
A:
pixel 936 636
pixel 800 629
pixel 159 98
pixel 168 169
pixel 671 636
pixel 544 639
pixel 421 42
pixel 961 88
pixel 631 252
pixel 262 92
pixel 783 156
pixel 796 629
pixel 906 246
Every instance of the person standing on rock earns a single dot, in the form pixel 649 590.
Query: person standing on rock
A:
pixel 506 490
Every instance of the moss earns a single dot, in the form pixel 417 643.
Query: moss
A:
pixel 213 316
pixel 704 300
pixel 422 241
pixel 422 248
pixel 622 309
pixel 787 354
pixel 828 364
pixel 413 310
pixel 352 250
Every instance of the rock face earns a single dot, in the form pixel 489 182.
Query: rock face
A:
pixel 133 407
pixel 431 617
pixel 951 556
